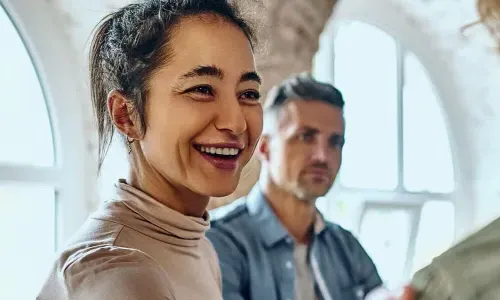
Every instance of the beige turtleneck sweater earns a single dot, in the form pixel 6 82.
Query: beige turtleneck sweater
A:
pixel 135 248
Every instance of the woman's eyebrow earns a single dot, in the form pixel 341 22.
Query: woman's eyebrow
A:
pixel 214 71
pixel 201 71
pixel 251 76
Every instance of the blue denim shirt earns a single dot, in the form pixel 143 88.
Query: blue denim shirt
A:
pixel 256 256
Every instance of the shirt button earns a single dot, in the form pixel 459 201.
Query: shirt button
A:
pixel 288 240
pixel 360 293
pixel 288 264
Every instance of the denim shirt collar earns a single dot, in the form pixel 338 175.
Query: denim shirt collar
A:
pixel 270 227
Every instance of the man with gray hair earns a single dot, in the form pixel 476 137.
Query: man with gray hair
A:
pixel 274 244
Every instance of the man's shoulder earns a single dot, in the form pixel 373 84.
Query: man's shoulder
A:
pixel 230 213
pixel 234 223
pixel 335 228
pixel 340 233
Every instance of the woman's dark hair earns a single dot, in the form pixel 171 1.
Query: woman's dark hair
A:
pixel 130 44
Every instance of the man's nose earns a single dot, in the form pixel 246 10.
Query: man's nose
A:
pixel 320 151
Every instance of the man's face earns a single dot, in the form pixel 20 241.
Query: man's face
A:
pixel 305 151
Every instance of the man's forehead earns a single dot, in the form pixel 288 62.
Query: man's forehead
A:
pixel 313 114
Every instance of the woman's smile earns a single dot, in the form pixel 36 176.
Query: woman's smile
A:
pixel 223 156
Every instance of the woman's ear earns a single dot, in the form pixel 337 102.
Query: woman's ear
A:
pixel 123 116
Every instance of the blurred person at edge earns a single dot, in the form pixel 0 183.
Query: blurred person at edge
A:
pixel 469 270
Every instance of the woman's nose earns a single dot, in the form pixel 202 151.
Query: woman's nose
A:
pixel 230 117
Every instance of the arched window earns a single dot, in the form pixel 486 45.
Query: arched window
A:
pixel 28 171
pixel 395 184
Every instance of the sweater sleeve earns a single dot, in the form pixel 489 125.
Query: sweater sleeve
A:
pixel 112 273
pixel 464 271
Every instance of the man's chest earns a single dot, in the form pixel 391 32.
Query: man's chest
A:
pixel 288 272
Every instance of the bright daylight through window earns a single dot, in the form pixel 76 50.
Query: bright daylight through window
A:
pixel 28 200
pixel 397 176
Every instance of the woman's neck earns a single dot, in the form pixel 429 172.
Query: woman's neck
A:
pixel 145 178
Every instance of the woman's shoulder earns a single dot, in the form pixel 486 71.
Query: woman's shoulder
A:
pixel 208 249
pixel 212 259
pixel 108 272
pixel 109 262
pixel 102 257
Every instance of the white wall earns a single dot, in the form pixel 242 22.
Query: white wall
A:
pixel 43 30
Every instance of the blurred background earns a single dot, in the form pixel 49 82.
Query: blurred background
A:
pixel 421 162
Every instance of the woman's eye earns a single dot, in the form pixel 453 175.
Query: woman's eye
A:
pixel 250 95
pixel 203 90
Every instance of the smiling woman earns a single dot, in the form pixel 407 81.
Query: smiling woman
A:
pixel 186 103
pixel 224 154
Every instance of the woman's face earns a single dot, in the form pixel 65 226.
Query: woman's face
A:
pixel 203 113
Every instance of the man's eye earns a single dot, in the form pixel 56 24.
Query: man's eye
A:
pixel 306 137
pixel 337 141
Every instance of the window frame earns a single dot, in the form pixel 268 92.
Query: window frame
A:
pixel 401 51
pixel 58 70
pixel 415 211
pixel 411 30
pixel 400 189
pixel 399 197
pixel 27 173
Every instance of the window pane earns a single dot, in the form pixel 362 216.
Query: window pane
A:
pixel 27 227
pixel 385 234
pixel 115 167
pixel 24 120
pixel 427 155
pixel 342 208
pixel 436 232
pixel 366 73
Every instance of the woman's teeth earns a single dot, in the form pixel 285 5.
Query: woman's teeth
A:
pixel 220 151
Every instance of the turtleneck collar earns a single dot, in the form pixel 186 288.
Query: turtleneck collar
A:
pixel 144 214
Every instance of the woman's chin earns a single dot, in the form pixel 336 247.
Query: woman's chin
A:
pixel 220 194
pixel 215 184
pixel 221 188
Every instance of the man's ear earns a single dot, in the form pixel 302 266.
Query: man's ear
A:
pixel 263 147
pixel 123 116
